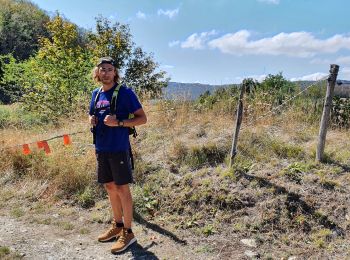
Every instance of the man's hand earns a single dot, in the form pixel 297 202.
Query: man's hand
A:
pixel 93 120
pixel 110 121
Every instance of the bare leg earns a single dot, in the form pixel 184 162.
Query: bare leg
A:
pixel 114 199
pixel 126 202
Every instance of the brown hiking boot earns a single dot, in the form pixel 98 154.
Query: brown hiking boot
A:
pixel 111 233
pixel 124 241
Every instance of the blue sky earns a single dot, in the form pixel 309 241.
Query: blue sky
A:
pixel 224 41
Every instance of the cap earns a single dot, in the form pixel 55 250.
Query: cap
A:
pixel 106 60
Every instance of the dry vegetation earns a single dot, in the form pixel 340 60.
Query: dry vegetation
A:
pixel 275 193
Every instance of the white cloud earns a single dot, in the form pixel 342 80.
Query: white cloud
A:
pixel 170 13
pixel 295 44
pixel 259 78
pixel 197 40
pixel 275 2
pixel 140 15
pixel 344 73
pixel 314 76
pixel 173 43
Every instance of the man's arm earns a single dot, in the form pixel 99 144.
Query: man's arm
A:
pixel 140 118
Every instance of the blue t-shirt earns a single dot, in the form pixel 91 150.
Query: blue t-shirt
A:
pixel 113 139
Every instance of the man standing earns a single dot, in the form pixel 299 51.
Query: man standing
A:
pixel 111 137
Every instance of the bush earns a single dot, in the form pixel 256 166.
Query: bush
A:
pixel 200 156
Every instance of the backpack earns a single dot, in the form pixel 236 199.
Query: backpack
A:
pixel 113 107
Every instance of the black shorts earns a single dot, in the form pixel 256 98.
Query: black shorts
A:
pixel 114 167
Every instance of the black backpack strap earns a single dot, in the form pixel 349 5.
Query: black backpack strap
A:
pixel 96 99
pixel 131 159
pixel 93 129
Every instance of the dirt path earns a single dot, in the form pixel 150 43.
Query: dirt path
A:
pixel 40 241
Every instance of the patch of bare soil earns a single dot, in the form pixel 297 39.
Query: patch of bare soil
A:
pixel 76 239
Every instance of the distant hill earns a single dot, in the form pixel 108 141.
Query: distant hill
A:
pixel 191 91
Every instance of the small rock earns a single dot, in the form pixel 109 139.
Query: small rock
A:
pixel 292 258
pixel 249 242
pixel 251 254
pixel 347 217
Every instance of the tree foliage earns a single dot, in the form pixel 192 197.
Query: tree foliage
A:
pixel 10 73
pixel 22 23
pixel 115 40
pixel 141 73
pixel 275 89
pixel 57 76
pixel 57 72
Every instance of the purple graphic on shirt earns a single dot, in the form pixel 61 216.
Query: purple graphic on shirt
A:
pixel 102 106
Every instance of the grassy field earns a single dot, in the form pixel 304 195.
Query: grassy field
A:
pixel 275 193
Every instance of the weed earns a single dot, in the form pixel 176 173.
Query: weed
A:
pixel 329 184
pixel 287 151
pixel 17 212
pixel 99 217
pixel 146 200
pixel 21 164
pixel 208 230
pixel 84 231
pixel 295 171
pixel 86 199
pixel 238 227
pixel 321 237
pixel 4 250
pixel 65 225
pixel 5 116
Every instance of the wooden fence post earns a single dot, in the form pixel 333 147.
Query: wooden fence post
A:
pixel 326 111
pixel 238 125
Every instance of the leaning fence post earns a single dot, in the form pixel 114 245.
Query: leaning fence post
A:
pixel 326 111
pixel 238 125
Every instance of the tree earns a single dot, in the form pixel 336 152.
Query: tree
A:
pixel 141 73
pixel 10 73
pixel 112 40
pixel 115 40
pixel 250 85
pixel 276 88
pixel 57 77
pixel 22 23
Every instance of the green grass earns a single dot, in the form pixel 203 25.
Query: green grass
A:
pixel 14 116
pixel 17 212
pixel 4 250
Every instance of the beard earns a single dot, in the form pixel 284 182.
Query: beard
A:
pixel 107 80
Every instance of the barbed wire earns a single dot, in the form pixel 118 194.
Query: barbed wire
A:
pixel 175 109
pixel 285 102
pixel 275 109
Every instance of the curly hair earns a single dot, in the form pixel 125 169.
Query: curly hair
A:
pixel 96 78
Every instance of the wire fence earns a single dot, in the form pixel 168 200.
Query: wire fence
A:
pixel 170 109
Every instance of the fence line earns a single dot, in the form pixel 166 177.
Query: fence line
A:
pixel 175 109
pixel 274 109
pixel 284 103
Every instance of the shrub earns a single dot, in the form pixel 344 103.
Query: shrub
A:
pixel 211 155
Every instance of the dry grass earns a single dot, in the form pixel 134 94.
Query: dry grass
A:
pixel 274 192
